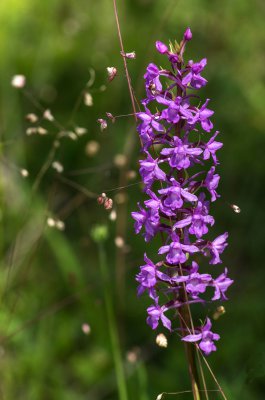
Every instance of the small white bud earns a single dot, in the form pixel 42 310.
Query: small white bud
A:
pixel 18 81
pixel 41 130
pixel 60 225
pixel 235 208
pixel 120 160
pixel 57 166
pixel 113 215
pixel 32 118
pixel 92 148
pixel 86 329
pixel 80 131
pixel 160 396
pixel 31 131
pixel 24 172
pixel 119 242
pixel 50 222
pixel 72 135
pixel 161 340
pixel 48 115
pixel 88 99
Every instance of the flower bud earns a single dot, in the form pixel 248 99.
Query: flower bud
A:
pixel 131 55
pixel 32 118
pixel 108 204
pixel 100 200
pixel 103 124
pixel 161 47
pixel 111 117
pixel 18 81
pixel 112 72
pixel 187 35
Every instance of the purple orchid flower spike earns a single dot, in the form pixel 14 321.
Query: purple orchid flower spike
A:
pixel 178 171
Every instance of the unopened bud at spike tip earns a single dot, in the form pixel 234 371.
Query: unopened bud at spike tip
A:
pixel 188 34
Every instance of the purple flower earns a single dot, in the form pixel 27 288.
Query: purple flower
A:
pixel 180 154
pixel 148 277
pixel 177 109
pixel 155 313
pixel 150 170
pixel 211 147
pixel 176 251
pixel 147 218
pixel 176 206
pixel 161 47
pixel 206 338
pixel 221 284
pixel 150 120
pixel 193 77
pixel 217 247
pixel 174 195
pixel 187 35
pixel 211 183
pixel 196 283
pixel 198 219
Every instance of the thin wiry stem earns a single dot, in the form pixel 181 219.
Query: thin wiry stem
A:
pixel 124 59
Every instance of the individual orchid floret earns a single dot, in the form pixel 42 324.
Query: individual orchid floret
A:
pixel 217 247
pixel 211 183
pixel 211 147
pixel 150 170
pixel 156 313
pixel 206 338
pixel 174 195
pixel 147 218
pixel 176 251
pixel 181 154
pixel 198 220
pixel 193 77
pixel 148 278
pixel 221 284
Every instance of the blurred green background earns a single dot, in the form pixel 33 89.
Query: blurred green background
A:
pixel 53 281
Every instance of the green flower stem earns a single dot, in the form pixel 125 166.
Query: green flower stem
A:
pixel 114 337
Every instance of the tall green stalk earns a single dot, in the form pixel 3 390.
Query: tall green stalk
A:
pixel 99 234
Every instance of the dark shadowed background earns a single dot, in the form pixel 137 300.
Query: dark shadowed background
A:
pixel 51 279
